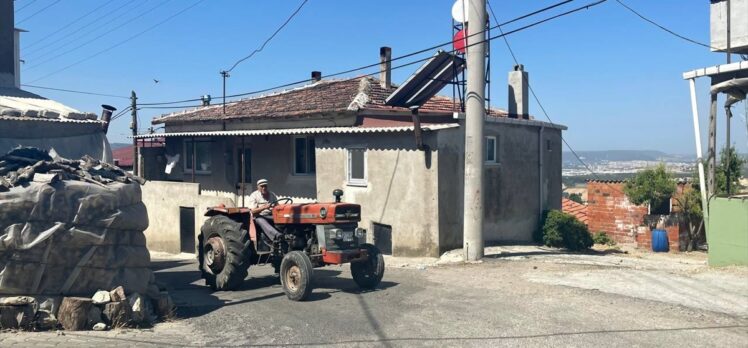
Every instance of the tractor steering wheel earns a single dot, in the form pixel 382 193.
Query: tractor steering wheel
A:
pixel 275 203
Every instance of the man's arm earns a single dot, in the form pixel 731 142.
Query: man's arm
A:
pixel 254 206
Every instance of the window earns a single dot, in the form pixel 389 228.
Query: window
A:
pixel 491 150
pixel 548 145
pixel 304 161
pixel 201 150
pixel 357 167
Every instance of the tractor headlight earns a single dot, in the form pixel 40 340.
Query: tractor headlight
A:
pixel 361 234
pixel 323 212
pixel 336 233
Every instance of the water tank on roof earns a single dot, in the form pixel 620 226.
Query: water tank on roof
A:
pixel 738 25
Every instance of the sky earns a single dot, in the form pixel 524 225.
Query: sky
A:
pixel 612 78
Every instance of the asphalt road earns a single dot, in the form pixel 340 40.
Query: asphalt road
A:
pixel 490 304
pixel 512 299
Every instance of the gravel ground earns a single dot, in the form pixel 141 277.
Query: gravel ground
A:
pixel 518 296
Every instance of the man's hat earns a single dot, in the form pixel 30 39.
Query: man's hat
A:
pixel 262 182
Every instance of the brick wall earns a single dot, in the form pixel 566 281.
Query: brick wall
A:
pixel 610 211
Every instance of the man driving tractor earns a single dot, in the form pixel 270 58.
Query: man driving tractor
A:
pixel 259 205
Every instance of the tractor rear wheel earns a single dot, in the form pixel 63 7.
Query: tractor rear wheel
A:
pixel 368 273
pixel 224 253
pixel 296 275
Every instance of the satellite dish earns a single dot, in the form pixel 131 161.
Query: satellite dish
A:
pixel 460 11
pixel 459 42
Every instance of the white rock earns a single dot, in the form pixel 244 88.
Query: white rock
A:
pixel 17 301
pixel 101 297
pixel 99 327
pixel 142 310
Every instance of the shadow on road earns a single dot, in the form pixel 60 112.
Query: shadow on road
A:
pixel 193 299
pixel 506 254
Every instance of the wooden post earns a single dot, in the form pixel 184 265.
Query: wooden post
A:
pixel 712 152
pixel 134 128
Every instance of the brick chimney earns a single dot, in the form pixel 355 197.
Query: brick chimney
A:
pixel 385 67
pixel 8 45
pixel 518 93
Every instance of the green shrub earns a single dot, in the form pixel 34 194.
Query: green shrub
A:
pixel 602 238
pixel 562 230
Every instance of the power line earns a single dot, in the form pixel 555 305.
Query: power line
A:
pixel 271 36
pixel 59 30
pixel 38 12
pixel 428 49
pixel 54 48
pixel 138 16
pixel 537 99
pixel 24 6
pixel 120 43
pixel 150 105
pixel 662 27
pixel 79 92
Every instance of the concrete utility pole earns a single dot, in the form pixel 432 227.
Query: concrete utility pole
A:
pixel 475 109
pixel 134 128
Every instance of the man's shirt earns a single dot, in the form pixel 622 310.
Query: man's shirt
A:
pixel 256 200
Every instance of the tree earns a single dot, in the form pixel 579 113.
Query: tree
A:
pixel 689 204
pixel 576 197
pixel 654 186
pixel 729 162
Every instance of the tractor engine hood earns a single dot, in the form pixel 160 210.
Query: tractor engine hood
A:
pixel 317 213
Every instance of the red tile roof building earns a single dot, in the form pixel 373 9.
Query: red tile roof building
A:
pixel 362 95
pixel 575 209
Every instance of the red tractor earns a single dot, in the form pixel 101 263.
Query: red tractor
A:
pixel 312 235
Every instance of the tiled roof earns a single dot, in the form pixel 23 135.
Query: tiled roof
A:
pixel 606 181
pixel 576 209
pixel 326 96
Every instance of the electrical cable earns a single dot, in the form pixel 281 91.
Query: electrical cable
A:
pixel 744 57
pixel 59 30
pixel 393 59
pixel 138 16
pixel 151 105
pixel 119 114
pixel 542 108
pixel 271 36
pixel 79 92
pixel 38 12
pixel 120 43
pixel 24 6
pixel 55 47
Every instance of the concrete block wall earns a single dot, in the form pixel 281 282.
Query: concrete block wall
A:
pixel 163 200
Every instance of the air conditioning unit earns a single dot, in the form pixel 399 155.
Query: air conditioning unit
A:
pixel 738 25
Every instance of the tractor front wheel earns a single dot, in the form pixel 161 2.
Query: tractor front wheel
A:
pixel 224 253
pixel 296 275
pixel 368 273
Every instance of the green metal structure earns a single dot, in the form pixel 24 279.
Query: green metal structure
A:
pixel 727 232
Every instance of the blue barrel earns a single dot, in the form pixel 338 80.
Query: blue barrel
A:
pixel 659 241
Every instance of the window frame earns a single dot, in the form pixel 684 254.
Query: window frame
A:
pixel 349 161
pixel 310 160
pixel 187 163
pixel 495 159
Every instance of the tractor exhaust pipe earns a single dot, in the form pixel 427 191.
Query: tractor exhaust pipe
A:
pixel 337 193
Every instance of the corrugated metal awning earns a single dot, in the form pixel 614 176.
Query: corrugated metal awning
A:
pixel 298 131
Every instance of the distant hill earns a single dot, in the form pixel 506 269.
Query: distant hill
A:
pixel 119 145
